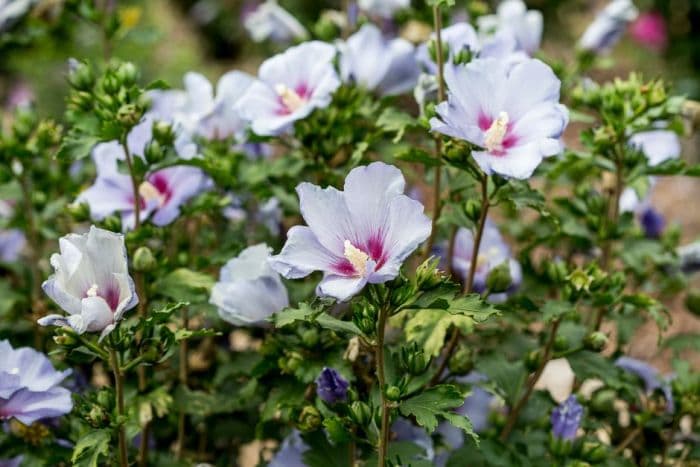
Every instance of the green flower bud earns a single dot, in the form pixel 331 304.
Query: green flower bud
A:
pixel 326 29
pixel 472 208
pixel 310 337
pixel 561 343
pixel 81 101
pixel 413 359
pixel 128 115
pixel 80 212
pixel 533 360
pixel 309 419
pixel 595 341
pixel 402 294
pixel 477 8
pixel 580 280
pixel 462 360
pixel 365 316
pixel 65 337
pixel 127 74
pixel 154 152
pixel 393 393
pixel 97 416
pixel 360 413
pixel 163 133
pixel 104 398
pixel 112 223
pixel 144 259
pixel 463 57
pixel 82 78
pixel 291 362
pixel 560 447
pixel 692 302
pixel 594 452
pixel 428 276
pixel 48 134
pixel 499 278
pixel 110 84
pixel 602 400
pixel 556 271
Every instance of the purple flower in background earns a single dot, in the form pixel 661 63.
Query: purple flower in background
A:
pixel 512 111
pixel 14 462
pixel 383 8
pixel 566 418
pixel 653 222
pixel 29 386
pixel 650 376
pixel 513 18
pixel 493 252
pixel 386 66
pixel 650 30
pixel 269 21
pixel 291 453
pixel 404 430
pixel 161 193
pixel 199 111
pixel 91 282
pixel 331 387
pixel 289 87
pixel 248 290
pixel 608 26
pixel 12 242
pixel 357 236
pixel 657 145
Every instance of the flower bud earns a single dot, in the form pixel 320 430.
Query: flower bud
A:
pixel 65 337
pixel 80 212
pixel 463 56
pixel 533 360
pixel 81 77
pixel 561 343
pixel 127 74
pixel 154 152
pixel 309 419
pixel 163 133
pixel 413 359
pixel 462 361
pixel 110 84
pixel 595 341
pixel 556 271
pixel 128 115
pixel 428 276
pixel 603 400
pixel 472 208
pixel 365 317
pixel 326 29
pixel 97 417
pixel 81 101
pixel 499 279
pixel 594 452
pixel 112 223
pixel 331 387
pixel 104 398
pixel 290 363
pixel 580 280
pixel 310 337
pixel 144 259
pixel 692 302
pixel 393 393
pixel 360 413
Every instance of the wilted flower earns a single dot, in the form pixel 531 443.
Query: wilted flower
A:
pixel 608 26
pixel 383 8
pixel 385 66
pixel 650 30
pixel 161 193
pixel 289 87
pixel 199 111
pixel 493 251
pixel 271 21
pixel 291 452
pixel 512 111
pixel 29 386
pixel 249 291
pixel 514 18
pixel 357 236
pixel 650 376
pixel 566 418
pixel 91 282
pixel 331 386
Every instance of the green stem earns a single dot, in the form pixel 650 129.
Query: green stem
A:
pixel 119 394
pixel 379 361
pixel 134 183
pixel 183 370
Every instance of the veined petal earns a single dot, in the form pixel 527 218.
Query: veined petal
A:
pixel 302 254
pixel 341 288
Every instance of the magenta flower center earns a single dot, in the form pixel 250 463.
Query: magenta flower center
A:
pixel 109 294
pixel 292 99
pixel 498 136
pixel 355 258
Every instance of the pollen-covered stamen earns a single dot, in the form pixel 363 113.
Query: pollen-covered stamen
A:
pixel 149 192
pixel 290 98
pixel 356 257
pixel 92 291
pixel 493 139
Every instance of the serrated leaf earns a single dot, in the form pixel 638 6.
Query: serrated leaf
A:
pixel 418 156
pixel 186 285
pixel 427 406
pixel 289 315
pixel 473 306
pixel 429 327
pixel 555 309
pixel 91 447
pixel 462 422
pixel 327 321
pixel 394 121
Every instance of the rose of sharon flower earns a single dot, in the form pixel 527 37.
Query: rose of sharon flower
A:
pixel 249 291
pixel 199 111
pixel 510 110
pixel 357 236
pixel 289 87
pixel 383 8
pixel 566 419
pixel 91 282
pixel 331 386
pixel 650 377
pixel 291 453
pixel 513 17
pixel 650 30
pixel 386 66
pixel 608 26
pixel 493 251
pixel 161 193
pixel 271 21
pixel 13 462
pixel 29 386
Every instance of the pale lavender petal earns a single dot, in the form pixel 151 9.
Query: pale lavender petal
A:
pixel 302 254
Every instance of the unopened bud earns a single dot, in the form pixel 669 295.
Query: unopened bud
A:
pixel 499 279
pixel 595 341
pixel 144 259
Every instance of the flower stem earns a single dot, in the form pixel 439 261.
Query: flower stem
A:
pixel 141 370
pixel 119 393
pixel 628 440
pixel 134 183
pixel 437 206
pixel 513 415
pixel 379 361
pixel 183 380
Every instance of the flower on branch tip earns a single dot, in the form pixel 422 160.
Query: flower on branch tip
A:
pixel 566 419
pixel 511 111
pixel 249 291
pixel 357 236
pixel 608 26
pixel 29 386
pixel 512 17
pixel 269 21
pixel 91 282
pixel 289 87
pixel 331 387
pixel 387 67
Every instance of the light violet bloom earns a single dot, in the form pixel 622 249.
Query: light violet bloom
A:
pixel 608 26
pixel 493 251
pixel 566 419
pixel 357 236
pixel 13 10
pixel 91 282
pixel 403 430
pixel 199 111
pixel 650 377
pixel 14 462
pixel 249 291
pixel 291 453
pixel 383 8
pixel 29 386
pixel 513 17
pixel 12 242
pixel 511 111
pixel 161 194
pixel 270 21
pixel 386 66
pixel 289 87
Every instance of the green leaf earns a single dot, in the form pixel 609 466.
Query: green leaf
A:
pixel 462 422
pixel 91 447
pixel 436 401
pixel 186 285
pixel 555 309
pixel 327 321
pixel 473 306
pixel 429 327
pixel 76 147
pixel 395 121
pixel 587 364
pixel 289 315
pixel 509 377
pixel 418 156
pixel 185 334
